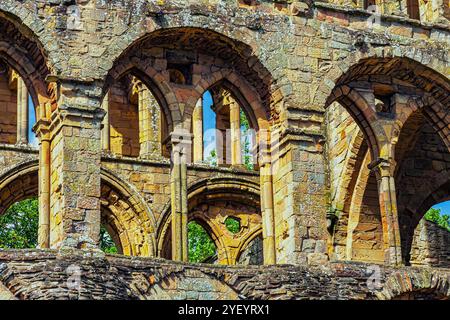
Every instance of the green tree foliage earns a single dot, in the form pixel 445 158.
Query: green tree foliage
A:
pixel 212 158
pixel 201 246
pixel 19 225
pixel 19 228
pixel 107 244
pixel 233 225
pixel 435 215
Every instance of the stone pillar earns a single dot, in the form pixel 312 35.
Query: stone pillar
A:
pixel 197 129
pixel 75 167
pixel 235 127
pixel 42 129
pixel 149 124
pixel 300 197
pixel 267 208
pixel 22 112
pixel 181 144
pixel 106 134
pixel 141 107
pixel 384 170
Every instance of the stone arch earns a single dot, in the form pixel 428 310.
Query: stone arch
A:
pixel 431 94
pixel 422 179
pixel 383 92
pixel 154 81
pixel 22 49
pixel 245 95
pixel 221 188
pixel 433 63
pixel 425 280
pixel 355 152
pixel 18 183
pixel 127 217
pixel 207 40
pixel 359 109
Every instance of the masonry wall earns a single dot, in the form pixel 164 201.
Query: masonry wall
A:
pixel 8 108
pixel 151 178
pixel 26 274
pixel 124 122
pixel 430 245
pixel 286 59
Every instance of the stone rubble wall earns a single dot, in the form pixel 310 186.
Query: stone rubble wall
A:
pixel 430 245
pixel 39 274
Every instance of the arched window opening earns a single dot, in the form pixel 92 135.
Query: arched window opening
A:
pixel 18 114
pixel 134 125
pixel 32 139
pixel 201 247
pixel 222 132
pixel 19 225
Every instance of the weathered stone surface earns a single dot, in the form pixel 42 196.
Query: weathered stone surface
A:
pixel 355 104
pixel 80 275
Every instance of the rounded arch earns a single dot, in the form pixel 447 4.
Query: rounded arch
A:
pixel 22 49
pixel 154 81
pixel 127 216
pixel 245 95
pixel 129 220
pixel 359 109
pixel 440 194
pixel 421 58
pixel 221 188
pixel 225 48
pixel 404 73
pixel 18 183
pixel 424 281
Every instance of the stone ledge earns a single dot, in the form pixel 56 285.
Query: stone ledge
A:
pixel 384 17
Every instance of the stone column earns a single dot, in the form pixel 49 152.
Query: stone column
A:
pixel 235 127
pixel 300 197
pixel 197 129
pixel 106 134
pixel 22 112
pixel 267 210
pixel 384 170
pixel 181 144
pixel 42 129
pixel 142 131
pixel 75 167
pixel 149 124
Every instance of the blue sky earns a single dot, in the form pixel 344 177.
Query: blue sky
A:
pixel 32 120
pixel 209 125
pixel 444 207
